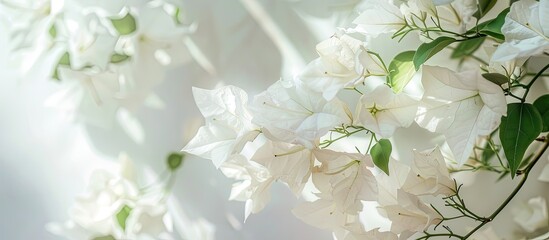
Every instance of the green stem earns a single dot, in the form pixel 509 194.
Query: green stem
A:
pixel 449 235
pixel 532 82
pixel 515 191
pixel 347 134
pixel 533 74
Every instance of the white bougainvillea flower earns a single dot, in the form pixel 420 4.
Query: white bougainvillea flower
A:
pixel 322 213
pixel 343 180
pixel 254 183
pixel 506 68
pixel 382 17
pixel 269 162
pixel 345 177
pixel 44 30
pixel 532 215
pixel 382 111
pixel 343 62
pixel 388 185
pixel 35 62
pixel 148 219
pixel 354 230
pixel 293 113
pixel 464 19
pixel 114 207
pixel 152 50
pixel 526 31
pixel 87 96
pixel 429 175
pixel 33 52
pixel 456 16
pixel 462 106
pixel 286 162
pixel 97 210
pixel 163 44
pixel 410 214
pixel 30 20
pixel 89 42
pixel 228 124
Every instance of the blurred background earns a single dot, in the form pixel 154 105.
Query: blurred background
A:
pixel 45 160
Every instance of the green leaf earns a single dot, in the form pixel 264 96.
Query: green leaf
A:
pixel 542 105
pixel 381 153
pixel 492 27
pixel 467 47
pixel 401 71
pixel 118 58
pixel 122 215
pixel 55 75
pixel 125 25
pixel 427 50
pixel 484 7
pixel 518 130
pixel 175 160
pixel 65 60
pixel 496 78
pixel 177 16
pixel 523 164
pixel 53 31
pixel 109 237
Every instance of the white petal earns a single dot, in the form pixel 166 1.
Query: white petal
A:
pixel 320 213
pixel 461 106
pixel 383 17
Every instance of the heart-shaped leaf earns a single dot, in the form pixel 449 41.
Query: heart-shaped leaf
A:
pixel 427 50
pixel 467 48
pixel 381 153
pixel 518 130
pixel 491 27
pixel 401 71
pixel 496 78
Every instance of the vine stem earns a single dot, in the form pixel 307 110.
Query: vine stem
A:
pixel 515 191
pixel 532 82
pixel 449 235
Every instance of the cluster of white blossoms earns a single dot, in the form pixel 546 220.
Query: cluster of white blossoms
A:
pixel 107 55
pixel 116 208
pixel 286 133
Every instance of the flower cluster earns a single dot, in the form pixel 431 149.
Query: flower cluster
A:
pixel 107 55
pixel 288 133
pixel 115 208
